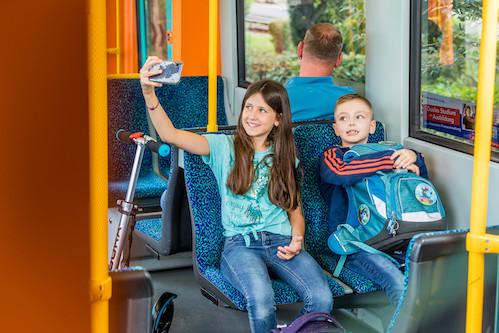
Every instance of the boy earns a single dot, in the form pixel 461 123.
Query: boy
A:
pixel 353 123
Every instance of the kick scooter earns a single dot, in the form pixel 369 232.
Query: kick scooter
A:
pixel 133 287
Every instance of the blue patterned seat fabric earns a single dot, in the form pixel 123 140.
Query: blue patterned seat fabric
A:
pixel 435 282
pixel 126 110
pixel 187 106
pixel 311 142
pixel 205 206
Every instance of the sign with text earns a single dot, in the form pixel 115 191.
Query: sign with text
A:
pixel 453 116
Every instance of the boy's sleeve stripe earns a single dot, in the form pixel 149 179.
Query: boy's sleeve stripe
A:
pixel 363 166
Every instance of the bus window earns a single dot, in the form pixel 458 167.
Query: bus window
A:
pixel 446 48
pixel 270 30
pixel 154 19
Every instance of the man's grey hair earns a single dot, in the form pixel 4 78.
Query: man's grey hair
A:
pixel 323 41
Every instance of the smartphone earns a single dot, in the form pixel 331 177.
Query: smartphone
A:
pixel 172 71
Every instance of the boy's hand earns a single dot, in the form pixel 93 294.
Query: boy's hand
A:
pixel 146 84
pixel 404 158
pixel 413 168
pixel 291 250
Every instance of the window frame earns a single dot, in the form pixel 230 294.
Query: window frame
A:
pixel 241 49
pixel 415 91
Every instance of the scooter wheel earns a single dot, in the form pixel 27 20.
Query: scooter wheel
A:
pixel 162 313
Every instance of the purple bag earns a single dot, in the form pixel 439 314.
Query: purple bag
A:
pixel 317 322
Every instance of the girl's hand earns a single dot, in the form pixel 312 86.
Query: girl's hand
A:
pixel 403 158
pixel 291 250
pixel 146 84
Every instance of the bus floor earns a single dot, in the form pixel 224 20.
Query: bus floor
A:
pixel 195 313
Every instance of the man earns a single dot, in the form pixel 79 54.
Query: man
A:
pixel 313 94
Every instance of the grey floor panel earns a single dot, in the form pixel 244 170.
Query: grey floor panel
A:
pixel 195 313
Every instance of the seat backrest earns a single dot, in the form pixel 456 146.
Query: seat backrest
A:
pixel 311 141
pixel 187 106
pixel 208 239
pixel 434 296
pixel 207 231
pixel 126 110
pixel 171 233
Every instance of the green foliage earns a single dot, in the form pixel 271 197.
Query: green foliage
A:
pixel 352 68
pixel 303 15
pixel 269 65
pixel 458 80
pixel 468 9
pixel 346 15
pixel 259 42
pixel 456 89
pixel 281 35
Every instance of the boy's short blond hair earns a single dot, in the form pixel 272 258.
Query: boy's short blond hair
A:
pixel 351 97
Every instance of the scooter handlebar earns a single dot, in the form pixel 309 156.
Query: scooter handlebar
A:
pixel 162 149
pixel 124 136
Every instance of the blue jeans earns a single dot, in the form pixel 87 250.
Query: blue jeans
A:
pixel 380 270
pixel 249 269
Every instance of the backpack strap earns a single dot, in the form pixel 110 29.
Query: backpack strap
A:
pixel 298 323
pixel 360 246
pixel 339 266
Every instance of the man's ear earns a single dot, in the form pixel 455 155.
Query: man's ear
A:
pixel 299 51
pixel 338 60
pixel 373 127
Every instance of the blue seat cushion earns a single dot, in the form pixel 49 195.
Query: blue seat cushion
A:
pixel 150 227
pixel 206 215
pixel 311 141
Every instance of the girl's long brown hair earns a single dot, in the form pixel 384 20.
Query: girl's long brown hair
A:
pixel 283 186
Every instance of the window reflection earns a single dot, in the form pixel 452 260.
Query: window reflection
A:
pixel 450 49
pixel 273 29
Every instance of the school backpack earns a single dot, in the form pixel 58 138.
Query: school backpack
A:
pixel 387 209
pixel 317 322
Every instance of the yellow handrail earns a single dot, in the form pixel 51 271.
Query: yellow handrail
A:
pixel 117 50
pixel 124 76
pixel 477 241
pixel 212 66
pixel 100 282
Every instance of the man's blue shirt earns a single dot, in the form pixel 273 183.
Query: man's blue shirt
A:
pixel 314 98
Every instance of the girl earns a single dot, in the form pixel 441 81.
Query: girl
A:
pixel 257 178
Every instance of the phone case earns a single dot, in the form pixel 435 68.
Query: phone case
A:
pixel 172 71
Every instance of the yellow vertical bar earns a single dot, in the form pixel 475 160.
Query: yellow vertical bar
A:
pixel 212 66
pixel 100 282
pixel 118 37
pixel 483 137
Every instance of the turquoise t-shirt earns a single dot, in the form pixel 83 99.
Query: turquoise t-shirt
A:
pixel 252 212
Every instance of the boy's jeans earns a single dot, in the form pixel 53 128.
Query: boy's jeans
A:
pixel 380 270
pixel 248 269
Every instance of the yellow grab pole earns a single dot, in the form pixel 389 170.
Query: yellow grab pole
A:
pixel 118 38
pixel 483 137
pixel 212 66
pixel 100 282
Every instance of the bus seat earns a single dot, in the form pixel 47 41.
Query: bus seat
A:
pixel 436 279
pixel 126 110
pixel 311 141
pixel 170 233
pixel 208 240
pixel 187 106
